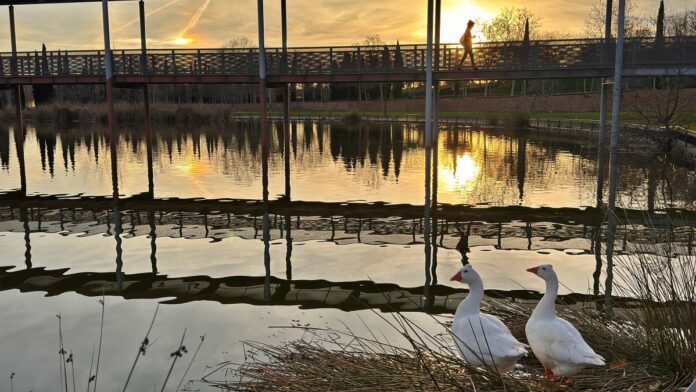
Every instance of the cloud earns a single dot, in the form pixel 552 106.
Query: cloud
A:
pixel 310 22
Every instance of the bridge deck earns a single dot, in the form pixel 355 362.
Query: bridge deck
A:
pixel 496 60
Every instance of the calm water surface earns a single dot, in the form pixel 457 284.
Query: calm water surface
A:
pixel 347 237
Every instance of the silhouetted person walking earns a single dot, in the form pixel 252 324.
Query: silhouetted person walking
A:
pixel 467 42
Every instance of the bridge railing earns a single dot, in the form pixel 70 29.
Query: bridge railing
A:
pixel 524 55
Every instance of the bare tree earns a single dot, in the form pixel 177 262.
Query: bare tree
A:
pixel 666 110
pixel 682 24
pixel 636 24
pixel 240 42
pixel 509 25
pixel 372 39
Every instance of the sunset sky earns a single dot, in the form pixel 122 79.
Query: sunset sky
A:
pixel 211 23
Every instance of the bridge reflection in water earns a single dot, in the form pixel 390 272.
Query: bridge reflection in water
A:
pixel 546 229
pixel 455 227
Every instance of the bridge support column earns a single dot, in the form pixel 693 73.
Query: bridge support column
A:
pixel 428 147
pixel 109 87
pixel 601 150
pixel 435 137
pixel 146 100
pixel 19 117
pixel 614 155
pixel 286 98
pixel 143 38
pixel 265 141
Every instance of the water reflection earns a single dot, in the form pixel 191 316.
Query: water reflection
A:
pixel 375 162
pixel 454 231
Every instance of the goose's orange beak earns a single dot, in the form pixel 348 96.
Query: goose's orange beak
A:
pixel 457 277
pixel 533 270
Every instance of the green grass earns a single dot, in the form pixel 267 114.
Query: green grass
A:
pixel 687 119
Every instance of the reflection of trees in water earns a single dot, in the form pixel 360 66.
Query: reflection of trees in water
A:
pixel 5 148
pixel 507 166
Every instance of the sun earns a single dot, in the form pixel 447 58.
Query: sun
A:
pixel 454 20
pixel 182 41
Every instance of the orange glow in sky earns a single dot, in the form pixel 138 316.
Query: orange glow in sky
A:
pixel 182 41
pixel 454 21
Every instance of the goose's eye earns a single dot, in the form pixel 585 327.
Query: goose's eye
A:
pixel 466 272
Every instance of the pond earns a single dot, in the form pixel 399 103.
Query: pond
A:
pixel 342 236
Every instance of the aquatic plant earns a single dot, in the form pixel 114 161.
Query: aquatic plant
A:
pixel 142 349
pixel 340 360
pixel 352 118
pixel 665 316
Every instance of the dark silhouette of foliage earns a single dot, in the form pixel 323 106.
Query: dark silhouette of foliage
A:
pixel 660 25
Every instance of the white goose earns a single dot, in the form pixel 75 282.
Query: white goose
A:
pixel 555 342
pixel 482 339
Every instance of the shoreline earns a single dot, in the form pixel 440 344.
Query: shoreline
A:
pixel 63 114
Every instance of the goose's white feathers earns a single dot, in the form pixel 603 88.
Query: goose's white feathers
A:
pixel 482 339
pixel 555 342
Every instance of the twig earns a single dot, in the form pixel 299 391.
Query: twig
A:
pixel 176 354
pixel 101 332
pixel 61 353
pixel 71 359
pixel 141 350
pixel 190 363
pixel 89 376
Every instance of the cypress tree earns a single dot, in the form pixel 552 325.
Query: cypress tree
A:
pixel 660 38
pixel 660 25
pixel 526 31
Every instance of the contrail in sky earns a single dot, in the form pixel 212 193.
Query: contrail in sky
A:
pixel 156 10
pixel 194 19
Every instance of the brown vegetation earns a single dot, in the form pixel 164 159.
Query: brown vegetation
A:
pixel 64 114
pixel 340 360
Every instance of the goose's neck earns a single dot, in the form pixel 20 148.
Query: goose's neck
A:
pixel 547 306
pixel 472 302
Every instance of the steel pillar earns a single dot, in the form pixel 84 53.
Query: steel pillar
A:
pixel 601 158
pixel 19 117
pixel 264 150
pixel 286 97
pixel 614 155
pixel 428 146
pixel 146 101
pixel 143 38
pixel 109 87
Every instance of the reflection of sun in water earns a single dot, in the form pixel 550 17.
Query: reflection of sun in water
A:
pixel 186 169
pixel 461 177
pixel 454 21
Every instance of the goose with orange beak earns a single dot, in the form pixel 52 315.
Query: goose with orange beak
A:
pixel 555 342
pixel 482 339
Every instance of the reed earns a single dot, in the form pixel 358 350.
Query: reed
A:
pixel 665 318
pixel 144 345
pixel 340 360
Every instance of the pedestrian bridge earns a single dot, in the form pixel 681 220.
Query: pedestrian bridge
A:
pixel 573 58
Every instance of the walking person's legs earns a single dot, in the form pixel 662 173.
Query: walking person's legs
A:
pixel 471 56
pixel 461 61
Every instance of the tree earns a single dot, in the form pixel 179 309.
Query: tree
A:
pixel 372 40
pixel 636 25
pixel 668 109
pixel 526 31
pixel 511 24
pixel 240 42
pixel 681 24
pixel 398 87
pixel 660 25
pixel 43 93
